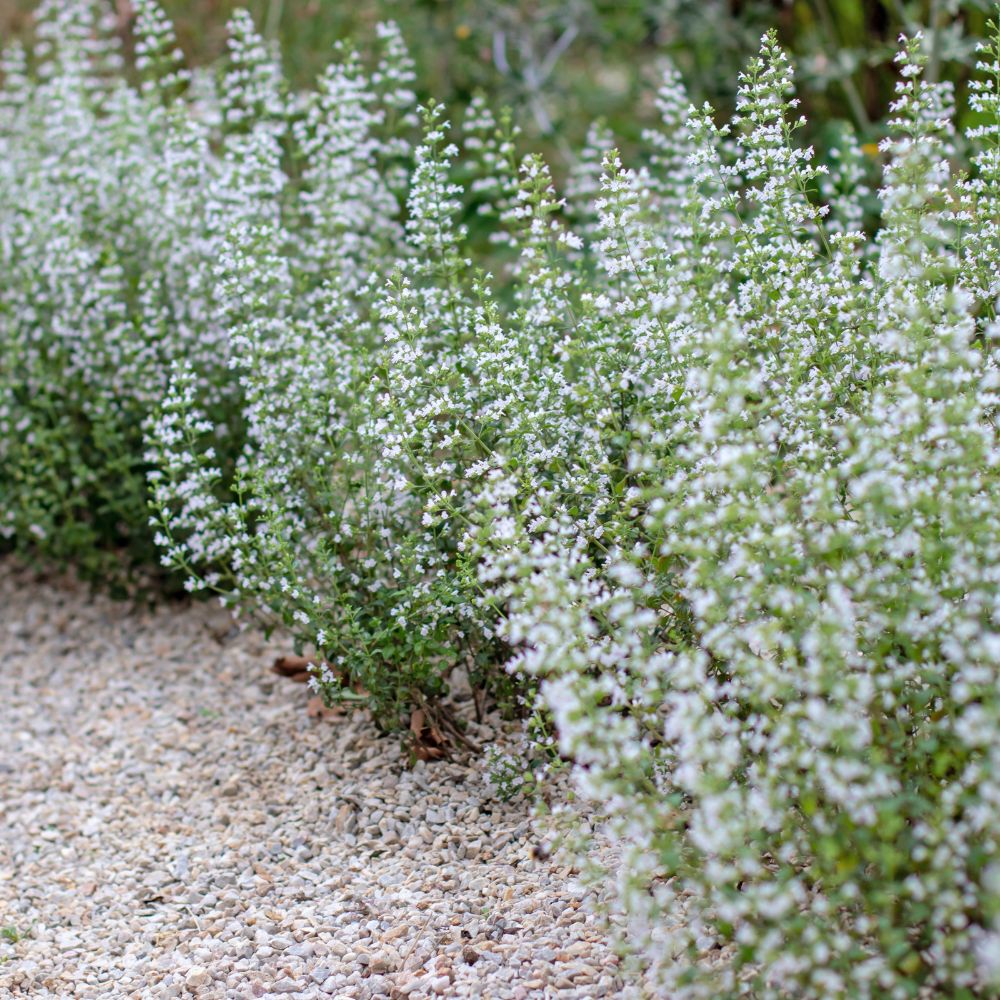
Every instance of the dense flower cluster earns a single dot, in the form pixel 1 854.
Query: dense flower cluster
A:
pixel 709 468
pixel 777 667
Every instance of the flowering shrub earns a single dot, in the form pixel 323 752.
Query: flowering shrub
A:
pixel 718 468
pixel 133 226
pixel 333 529
pixel 377 417
pixel 775 665
pixel 113 211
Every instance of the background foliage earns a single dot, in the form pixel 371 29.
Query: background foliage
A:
pixel 560 65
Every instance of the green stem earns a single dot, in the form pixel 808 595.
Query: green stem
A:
pixel 273 23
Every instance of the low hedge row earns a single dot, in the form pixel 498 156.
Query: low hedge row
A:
pixel 709 471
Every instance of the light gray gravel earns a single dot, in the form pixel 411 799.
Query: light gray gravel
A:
pixel 174 824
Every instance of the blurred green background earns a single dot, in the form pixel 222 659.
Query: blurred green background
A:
pixel 560 64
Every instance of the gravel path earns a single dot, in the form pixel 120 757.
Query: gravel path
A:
pixel 174 824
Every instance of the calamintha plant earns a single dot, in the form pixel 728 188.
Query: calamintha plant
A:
pixel 132 218
pixel 776 666
pixel 112 214
pixel 717 469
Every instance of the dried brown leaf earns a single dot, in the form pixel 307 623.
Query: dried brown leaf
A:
pixel 317 709
pixel 295 668
pixel 429 743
